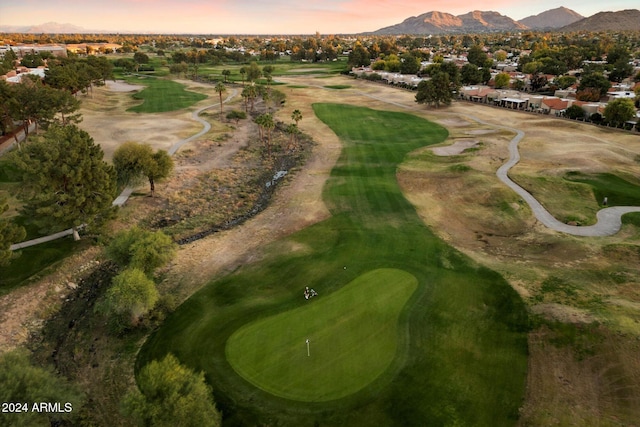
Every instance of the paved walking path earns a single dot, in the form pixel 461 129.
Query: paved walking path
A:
pixel 609 219
pixel 124 196
pixel 39 240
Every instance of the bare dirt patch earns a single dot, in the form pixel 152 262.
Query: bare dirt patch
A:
pixel 24 310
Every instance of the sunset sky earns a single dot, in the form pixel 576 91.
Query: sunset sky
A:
pixel 266 17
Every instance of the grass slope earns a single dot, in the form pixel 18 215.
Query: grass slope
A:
pixel 33 261
pixel 461 352
pixel 282 67
pixel 353 332
pixel 162 95
pixel 618 191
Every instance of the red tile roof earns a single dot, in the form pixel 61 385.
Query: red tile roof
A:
pixel 555 103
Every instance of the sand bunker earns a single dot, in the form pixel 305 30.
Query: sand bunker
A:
pixel 456 148
pixel 121 86
pixel 480 132
pixel 453 122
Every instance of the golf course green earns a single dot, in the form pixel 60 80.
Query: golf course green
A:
pixel 353 332
pixel 405 330
pixel 161 95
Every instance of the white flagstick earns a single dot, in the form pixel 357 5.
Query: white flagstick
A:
pixel 308 354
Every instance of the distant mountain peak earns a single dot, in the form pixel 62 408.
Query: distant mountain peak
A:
pixel 623 20
pixel 55 27
pixel 435 22
pixel 553 18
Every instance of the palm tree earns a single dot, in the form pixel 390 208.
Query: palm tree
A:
pixel 260 120
pixel 267 98
pixel 245 96
pixel 269 124
pixel 267 95
pixel 296 116
pixel 293 131
pixel 243 71
pixel 253 72
pixel 220 88
pixel 252 94
pixel 226 74
pixel 266 122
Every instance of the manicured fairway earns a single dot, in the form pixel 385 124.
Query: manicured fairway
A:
pixel 353 332
pixel 460 350
pixel 162 95
pixel 618 191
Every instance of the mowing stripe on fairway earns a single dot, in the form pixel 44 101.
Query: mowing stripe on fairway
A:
pixel 352 333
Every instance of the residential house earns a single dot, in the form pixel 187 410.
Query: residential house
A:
pixel 16 76
pixel 22 49
pixel 621 94
pixel 554 106
pixel 480 94
pixel 93 48
pixel 589 108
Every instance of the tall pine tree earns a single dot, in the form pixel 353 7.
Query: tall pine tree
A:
pixel 68 183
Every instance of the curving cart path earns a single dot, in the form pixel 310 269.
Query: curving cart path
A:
pixel 609 220
pixel 124 196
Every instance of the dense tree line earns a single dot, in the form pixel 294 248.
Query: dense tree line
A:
pixel 592 45
pixel 65 181
pixel 52 100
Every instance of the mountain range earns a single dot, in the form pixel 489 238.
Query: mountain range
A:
pixel 561 19
pixel 46 28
